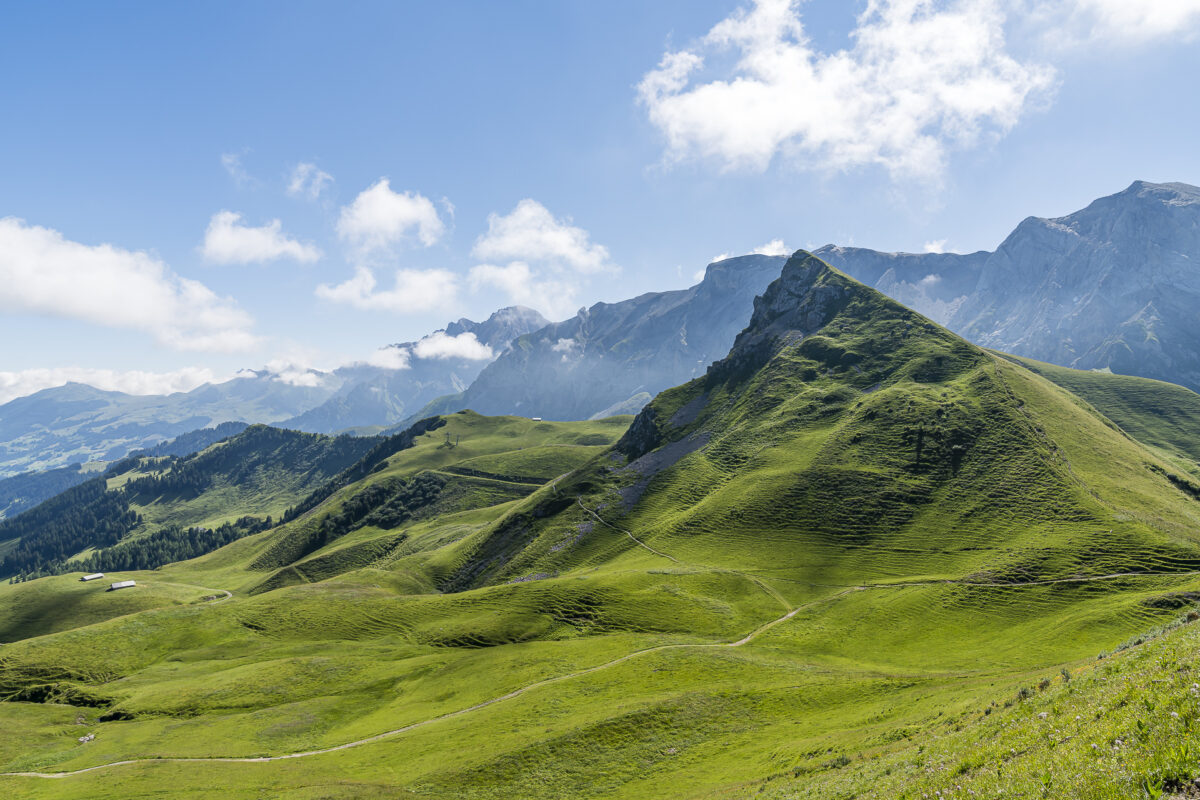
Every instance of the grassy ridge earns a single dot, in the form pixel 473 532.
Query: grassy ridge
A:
pixel 1157 414
pixel 821 570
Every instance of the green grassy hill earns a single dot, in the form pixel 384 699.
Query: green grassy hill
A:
pixel 809 573
pixel 1161 415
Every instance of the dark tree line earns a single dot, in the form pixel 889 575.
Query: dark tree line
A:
pixel 375 459
pixel 169 545
pixel 384 505
pixel 84 516
pixel 239 460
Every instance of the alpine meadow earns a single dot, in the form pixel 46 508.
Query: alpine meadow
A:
pixel 376 423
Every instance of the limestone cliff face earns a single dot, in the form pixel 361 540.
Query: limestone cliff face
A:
pixel 614 356
pixel 1113 286
pixel 803 300
pixel 1116 285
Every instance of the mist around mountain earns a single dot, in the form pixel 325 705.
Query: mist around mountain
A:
pixel 80 423
pixel 370 396
pixel 1112 287
pixel 612 358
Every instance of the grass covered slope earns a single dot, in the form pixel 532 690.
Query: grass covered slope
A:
pixel 1161 415
pixel 853 529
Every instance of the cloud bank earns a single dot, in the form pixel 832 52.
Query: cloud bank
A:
pixel 548 259
pixel 45 273
pixel 412 290
pixel 380 218
pixel 228 241
pixel 26 382
pixel 919 77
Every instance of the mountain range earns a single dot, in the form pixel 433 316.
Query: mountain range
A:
pixel 79 423
pixel 1111 287
pixel 858 555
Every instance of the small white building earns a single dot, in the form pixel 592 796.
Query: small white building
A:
pixel 536 419
pixel 122 585
pixel 92 577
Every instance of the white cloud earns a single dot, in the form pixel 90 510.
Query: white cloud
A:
pixel 232 162
pixel 228 241
pixel 292 371
pixel 25 382
pixel 563 346
pixel 530 233
pixel 441 345
pixel 390 357
pixel 308 180
pixel 936 246
pixel 930 280
pixel 42 272
pixel 1127 21
pixel 556 297
pixel 412 290
pixel 775 247
pixel 548 259
pixel 920 77
pixel 379 218
pixel 719 257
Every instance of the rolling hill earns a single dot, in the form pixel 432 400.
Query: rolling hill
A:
pixel 810 571
pixel 156 507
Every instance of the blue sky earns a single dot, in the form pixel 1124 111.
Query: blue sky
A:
pixel 303 183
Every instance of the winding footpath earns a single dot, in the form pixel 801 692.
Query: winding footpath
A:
pixel 413 726
pixel 747 639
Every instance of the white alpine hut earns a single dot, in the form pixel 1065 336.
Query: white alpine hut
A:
pixel 122 585
pixel 94 576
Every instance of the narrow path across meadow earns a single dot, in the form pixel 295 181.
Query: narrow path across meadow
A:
pixel 748 638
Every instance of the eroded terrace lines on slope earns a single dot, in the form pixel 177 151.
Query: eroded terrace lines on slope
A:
pixel 750 637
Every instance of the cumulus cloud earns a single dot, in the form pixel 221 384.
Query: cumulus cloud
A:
pixel 555 296
pixel 1125 21
pixel 548 259
pixel 380 218
pixel 441 345
pixel 920 76
pixel 228 241
pixel 390 357
pixel 43 272
pixel 26 382
pixel 437 345
pixel 936 246
pixel 308 180
pixel 531 233
pixel 931 279
pixel 775 247
pixel 292 370
pixel 412 290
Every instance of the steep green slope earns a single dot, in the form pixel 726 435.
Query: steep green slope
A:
pixel 855 527
pixel 1162 415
